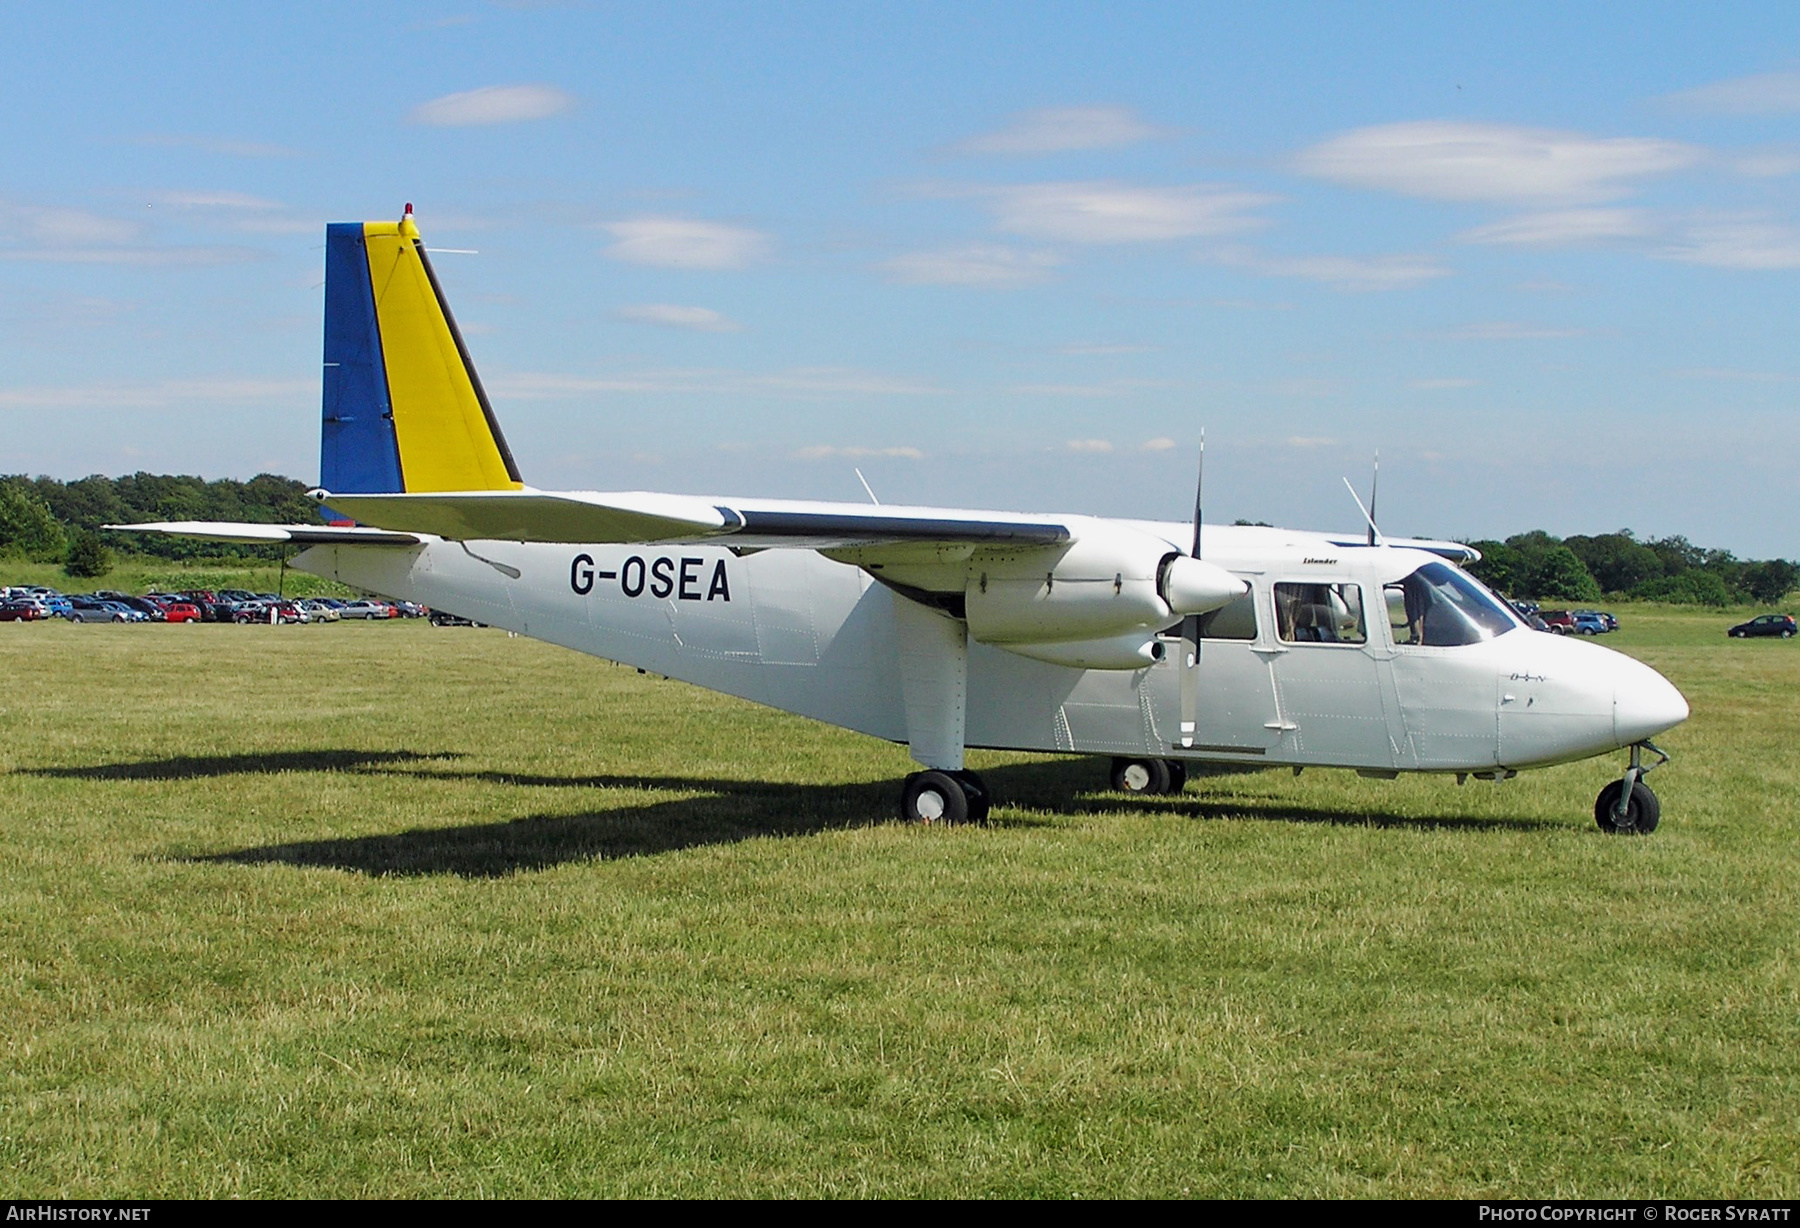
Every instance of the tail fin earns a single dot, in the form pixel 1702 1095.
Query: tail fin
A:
pixel 404 409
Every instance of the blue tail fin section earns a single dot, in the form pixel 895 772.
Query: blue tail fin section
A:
pixel 359 451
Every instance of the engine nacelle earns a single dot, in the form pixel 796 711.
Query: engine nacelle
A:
pixel 1139 650
pixel 1109 582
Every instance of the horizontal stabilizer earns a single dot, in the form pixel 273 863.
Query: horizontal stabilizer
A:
pixel 271 534
pixel 588 517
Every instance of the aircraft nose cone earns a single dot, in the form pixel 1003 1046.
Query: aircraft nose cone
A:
pixel 1645 704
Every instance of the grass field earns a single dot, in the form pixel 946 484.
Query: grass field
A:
pixel 395 910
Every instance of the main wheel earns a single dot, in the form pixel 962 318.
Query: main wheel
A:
pixel 1140 776
pixel 1642 812
pixel 1177 774
pixel 933 797
pixel 975 791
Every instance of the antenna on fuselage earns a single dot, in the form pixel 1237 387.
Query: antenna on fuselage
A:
pixel 866 486
pixel 1368 513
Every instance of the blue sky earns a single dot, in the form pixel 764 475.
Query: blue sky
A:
pixel 1543 259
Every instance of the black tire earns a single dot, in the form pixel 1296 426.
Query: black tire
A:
pixel 975 792
pixel 1144 776
pixel 1737 635
pixel 1177 774
pixel 1641 815
pixel 76 618
pixel 1787 635
pixel 933 797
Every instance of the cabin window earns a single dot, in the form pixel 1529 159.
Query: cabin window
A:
pixel 1320 614
pixel 1439 606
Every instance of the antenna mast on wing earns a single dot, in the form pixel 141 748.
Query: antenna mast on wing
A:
pixel 1190 625
pixel 1368 513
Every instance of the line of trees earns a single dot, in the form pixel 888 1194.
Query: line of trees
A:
pixel 48 521
pixel 1584 569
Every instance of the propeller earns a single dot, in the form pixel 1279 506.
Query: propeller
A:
pixel 1190 627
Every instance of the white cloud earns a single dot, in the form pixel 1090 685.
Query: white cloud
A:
pixel 1089 445
pixel 1162 443
pixel 1103 349
pixel 1767 163
pixel 1354 273
pixel 1564 227
pixel 1775 93
pixel 1109 388
pixel 981 266
pixel 807 381
pixel 43 226
pixel 163 394
pixel 216 145
pixel 668 315
pixel 1060 129
pixel 824 451
pixel 1445 160
pixel 1311 441
pixel 1509 330
pixel 1738 243
pixel 493 104
pixel 1733 375
pixel 1101 211
pixel 164 257
pixel 684 243
pixel 213 200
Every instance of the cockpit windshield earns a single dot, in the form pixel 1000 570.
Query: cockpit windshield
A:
pixel 1439 606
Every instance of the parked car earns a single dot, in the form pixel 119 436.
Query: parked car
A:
pixel 444 618
pixel 1560 621
pixel 1607 621
pixel 21 612
pixel 1587 622
pixel 368 609
pixel 318 611
pixel 1765 624
pixel 181 612
pixel 90 610
pixel 267 612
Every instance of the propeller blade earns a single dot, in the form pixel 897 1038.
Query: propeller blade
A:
pixel 1190 626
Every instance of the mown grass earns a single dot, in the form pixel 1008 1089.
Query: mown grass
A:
pixel 394 910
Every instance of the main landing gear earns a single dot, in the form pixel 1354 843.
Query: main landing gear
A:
pixel 944 797
pixel 1150 776
pixel 1627 806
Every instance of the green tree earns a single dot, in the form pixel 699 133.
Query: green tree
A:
pixel 1692 587
pixel 1556 572
pixel 1617 561
pixel 1770 581
pixel 27 526
pixel 88 555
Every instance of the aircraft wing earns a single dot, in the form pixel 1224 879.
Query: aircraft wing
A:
pixel 273 534
pixel 591 517
pixel 1456 552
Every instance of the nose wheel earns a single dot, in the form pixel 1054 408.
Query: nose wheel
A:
pixel 944 797
pixel 1627 807
pixel 1149 776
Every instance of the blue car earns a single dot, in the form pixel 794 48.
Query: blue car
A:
pixel 1589 623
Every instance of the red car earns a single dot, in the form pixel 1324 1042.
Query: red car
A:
pixel 1561 621
pixel 181 612
pixel 20 612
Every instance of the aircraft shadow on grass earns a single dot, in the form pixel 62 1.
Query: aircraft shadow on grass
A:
pixel 714 811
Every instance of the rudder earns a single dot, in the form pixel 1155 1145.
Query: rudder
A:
pixel 404 409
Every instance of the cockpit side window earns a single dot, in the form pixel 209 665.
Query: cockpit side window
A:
pixel 1236 620
pixel 1438 606
pixel 1320 614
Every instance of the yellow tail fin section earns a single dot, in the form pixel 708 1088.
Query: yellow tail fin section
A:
pixel 447 435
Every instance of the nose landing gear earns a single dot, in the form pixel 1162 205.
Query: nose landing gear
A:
pixel 1152 776
pixel 1627 806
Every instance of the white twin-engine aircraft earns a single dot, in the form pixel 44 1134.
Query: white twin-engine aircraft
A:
pixel 1155 644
